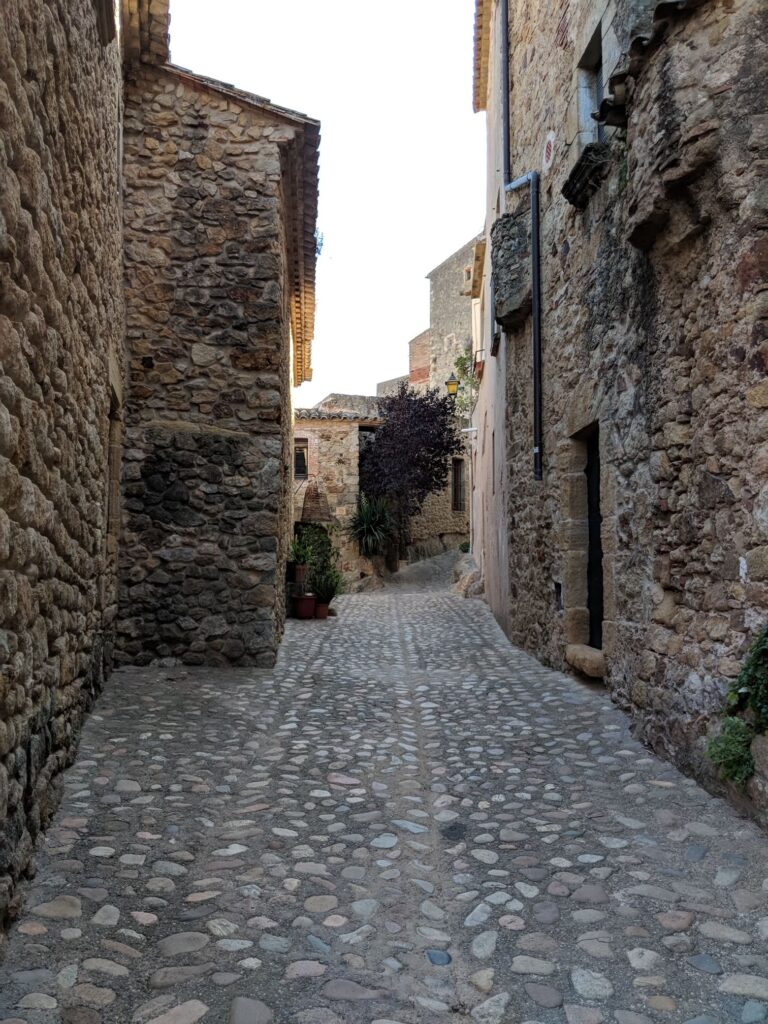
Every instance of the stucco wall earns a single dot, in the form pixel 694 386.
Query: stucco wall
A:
pixel 208 420
pixel 61 322
pixel 653 323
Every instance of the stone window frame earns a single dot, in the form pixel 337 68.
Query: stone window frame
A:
pixel 590 77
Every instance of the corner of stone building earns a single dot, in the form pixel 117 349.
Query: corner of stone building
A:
pixel 208 410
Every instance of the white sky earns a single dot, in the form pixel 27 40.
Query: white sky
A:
pixel 402 155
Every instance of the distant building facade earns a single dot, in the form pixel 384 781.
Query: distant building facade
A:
pixel 327 441
pixel 619 514
pixel 444 520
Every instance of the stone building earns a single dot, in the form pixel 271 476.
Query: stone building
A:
pixel 216 258
pixel 327 441
pixel 621 462
pixel 444 519
pixel 220 209
pixel 61 372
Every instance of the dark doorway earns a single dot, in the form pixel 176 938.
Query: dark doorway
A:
pixel 595 549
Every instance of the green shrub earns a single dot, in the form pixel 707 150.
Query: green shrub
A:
pixel 322 551
pixel 751 687
pixel 730 751
pixel 325 582
pixel 464 547
pixel 372 526
pixel 301 550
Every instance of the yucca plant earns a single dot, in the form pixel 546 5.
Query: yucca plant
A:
pixel 372 526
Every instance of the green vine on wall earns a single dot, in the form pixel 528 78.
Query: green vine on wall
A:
pixel 468 384
pixel 731 750
pixel 750 691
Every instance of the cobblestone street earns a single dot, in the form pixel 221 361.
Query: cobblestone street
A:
pixel 406 821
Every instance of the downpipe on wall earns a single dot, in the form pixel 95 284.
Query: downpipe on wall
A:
pixel 532 179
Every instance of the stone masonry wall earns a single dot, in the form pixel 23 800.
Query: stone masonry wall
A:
pixel 334 461
pixel 208 420
pixel 654 328
pixel 450 314
pixel 61 323
pixel 433 355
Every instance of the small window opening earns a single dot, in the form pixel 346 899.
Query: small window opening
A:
pixel 458 496
pixel 105 20
pixel 301 459
pixel 114 462
pixel 592 87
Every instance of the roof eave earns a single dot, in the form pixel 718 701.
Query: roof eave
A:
pixel 482 50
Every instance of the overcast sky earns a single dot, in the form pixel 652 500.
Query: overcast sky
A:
pixel 402 156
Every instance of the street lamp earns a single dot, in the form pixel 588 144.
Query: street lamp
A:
pixel 452 385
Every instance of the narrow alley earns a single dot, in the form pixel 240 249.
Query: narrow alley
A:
pixel 406 821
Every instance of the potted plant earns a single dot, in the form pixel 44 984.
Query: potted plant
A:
pixel 326 582
pixel 304 606
pixel 300 554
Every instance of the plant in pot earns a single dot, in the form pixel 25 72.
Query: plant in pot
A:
pixel 326 582
pixel 301 555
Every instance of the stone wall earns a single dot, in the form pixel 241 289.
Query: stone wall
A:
pixel 450 314
pixel 208 421
pixel 432 359
pixel 61 323
pixel 439 527
pixel 654 330
pixel 389 387
pixel 419 352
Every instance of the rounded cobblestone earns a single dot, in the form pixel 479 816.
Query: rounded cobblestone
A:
pixel 406 819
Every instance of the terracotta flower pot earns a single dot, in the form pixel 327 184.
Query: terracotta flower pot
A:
pixel 300 575
pixel 321 611
pixel 304 606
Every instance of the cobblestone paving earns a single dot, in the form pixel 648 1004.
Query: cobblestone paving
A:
pixel 407 821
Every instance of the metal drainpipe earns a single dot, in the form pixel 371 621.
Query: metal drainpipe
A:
pixel 505 95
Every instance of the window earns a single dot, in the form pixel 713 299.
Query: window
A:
pixel 114 459
pixel 301 459
pixel 105 20
pixel 592 88
pixel 458 499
